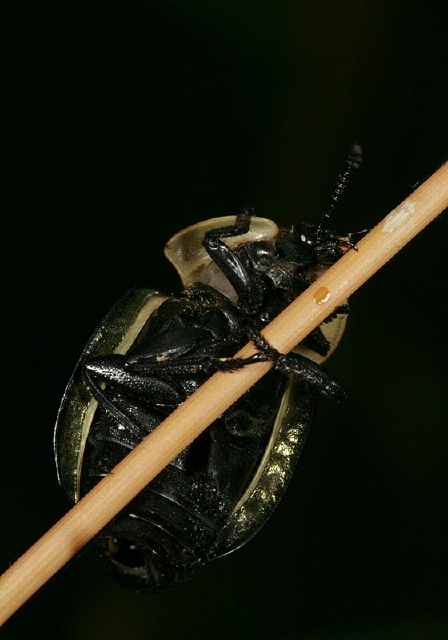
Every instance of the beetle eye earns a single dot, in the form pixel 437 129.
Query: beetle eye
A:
pixel 125 552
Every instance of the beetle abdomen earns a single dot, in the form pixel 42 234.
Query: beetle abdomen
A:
pixel 176 521
pixel 167 531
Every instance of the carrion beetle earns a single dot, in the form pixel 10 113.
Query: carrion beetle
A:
pixel 152 351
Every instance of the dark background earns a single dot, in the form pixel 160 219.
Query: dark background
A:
pixel 125 121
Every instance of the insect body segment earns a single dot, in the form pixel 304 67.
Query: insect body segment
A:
pixel 151 352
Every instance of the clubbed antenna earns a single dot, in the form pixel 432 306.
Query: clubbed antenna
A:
pixel 353 162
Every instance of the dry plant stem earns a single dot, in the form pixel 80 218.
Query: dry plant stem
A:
pixel 93 512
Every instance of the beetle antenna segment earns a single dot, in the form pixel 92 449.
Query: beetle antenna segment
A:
pixel 353 162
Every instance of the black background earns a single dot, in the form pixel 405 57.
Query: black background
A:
pixel 125 121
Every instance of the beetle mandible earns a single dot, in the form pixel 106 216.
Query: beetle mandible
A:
pixel 152 351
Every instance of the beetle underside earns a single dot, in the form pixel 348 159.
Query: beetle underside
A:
pixel 151 352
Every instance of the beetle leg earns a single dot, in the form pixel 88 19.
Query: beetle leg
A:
pixel 204 363
pixel 110 406
pixel 296 364
pixel 112 369
pixel 244 283
pixel 139 421
pixel 108 369
pixel 168 345
pixel 138 378
pixel 242 225
pixel 317 342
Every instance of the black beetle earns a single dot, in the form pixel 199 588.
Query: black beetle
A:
pixel 152 351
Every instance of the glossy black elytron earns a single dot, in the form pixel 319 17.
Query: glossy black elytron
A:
pixel 152 351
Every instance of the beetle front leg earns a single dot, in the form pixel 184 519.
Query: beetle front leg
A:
pixel 245 284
